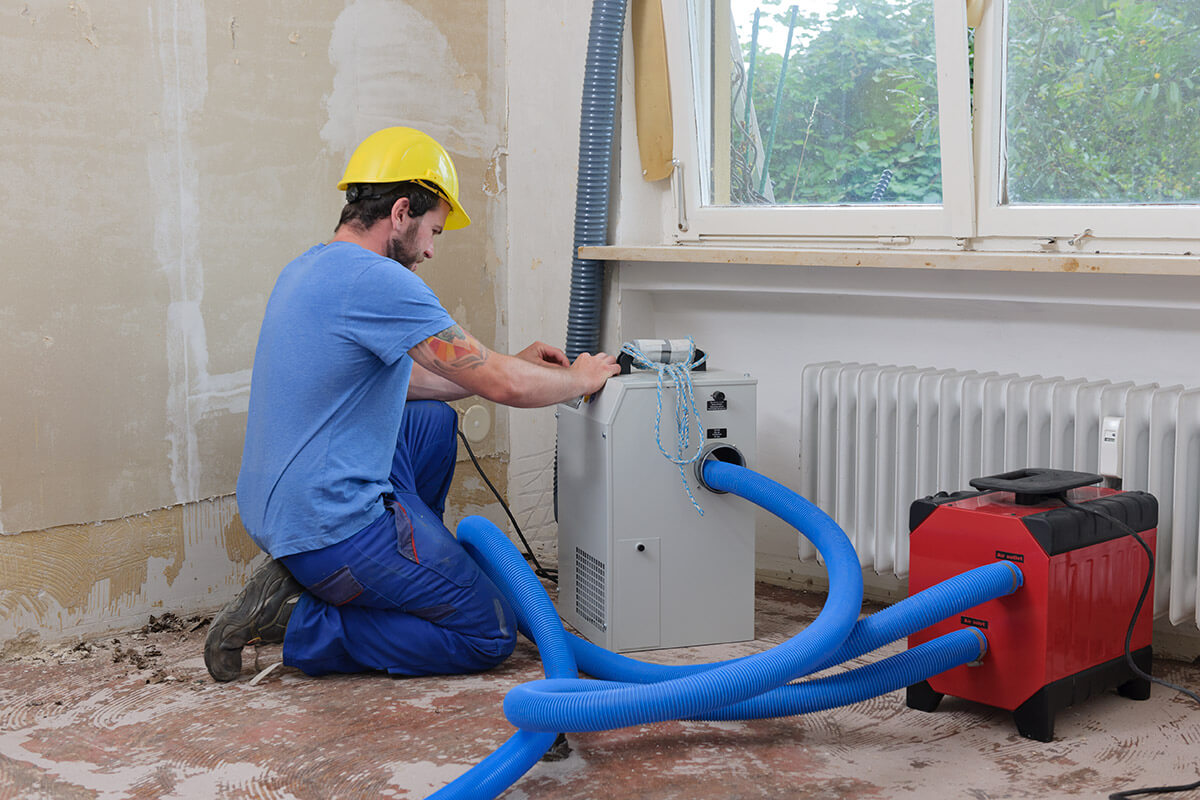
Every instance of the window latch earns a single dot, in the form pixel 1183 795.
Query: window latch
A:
pixel 1077 239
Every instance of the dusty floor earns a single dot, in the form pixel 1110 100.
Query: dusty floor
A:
pixel 136 716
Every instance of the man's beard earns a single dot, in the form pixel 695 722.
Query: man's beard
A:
pixel 401 251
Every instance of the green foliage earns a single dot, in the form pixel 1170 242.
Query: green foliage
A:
pixel 1102 104
pixel 1103 101
pixel 859 97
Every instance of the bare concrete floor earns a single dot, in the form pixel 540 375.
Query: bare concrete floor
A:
pixel 136 716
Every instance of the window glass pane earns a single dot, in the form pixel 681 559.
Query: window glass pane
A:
pixel 1101 101
pixel 854 118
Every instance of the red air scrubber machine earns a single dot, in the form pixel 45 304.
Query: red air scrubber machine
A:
pixel 1060 638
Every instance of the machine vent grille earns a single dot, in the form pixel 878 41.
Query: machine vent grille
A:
pixel 874 438
pixel 589 589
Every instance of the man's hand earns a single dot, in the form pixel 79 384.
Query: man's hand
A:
pixel 595 370
pixel 542 354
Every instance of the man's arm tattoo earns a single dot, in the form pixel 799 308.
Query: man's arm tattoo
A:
pixel 453 351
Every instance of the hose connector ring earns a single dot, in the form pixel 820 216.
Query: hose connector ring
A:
pixel 718 451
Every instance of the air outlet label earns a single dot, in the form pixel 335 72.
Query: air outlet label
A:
pixel 1016 557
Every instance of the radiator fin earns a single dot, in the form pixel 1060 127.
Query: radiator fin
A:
pixel 873 438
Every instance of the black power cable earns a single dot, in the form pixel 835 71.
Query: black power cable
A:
pixel 548 574
pixel 1137 610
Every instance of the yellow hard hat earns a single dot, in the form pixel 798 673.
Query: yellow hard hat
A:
pixel 406 154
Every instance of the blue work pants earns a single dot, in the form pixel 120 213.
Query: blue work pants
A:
pixel 401 595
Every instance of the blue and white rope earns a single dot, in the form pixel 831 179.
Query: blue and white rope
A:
pixel 685 402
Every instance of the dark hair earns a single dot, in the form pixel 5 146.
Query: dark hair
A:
pixel 367 203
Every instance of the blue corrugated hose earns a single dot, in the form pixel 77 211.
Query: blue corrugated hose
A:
pixel 746 688
pixel 946 599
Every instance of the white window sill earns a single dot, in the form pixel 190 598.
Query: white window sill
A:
pixel 1092 263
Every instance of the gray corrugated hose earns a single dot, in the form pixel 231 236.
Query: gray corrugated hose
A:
pixel 596 123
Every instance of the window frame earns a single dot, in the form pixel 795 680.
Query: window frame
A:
pixel 1168 225
pixel 970 216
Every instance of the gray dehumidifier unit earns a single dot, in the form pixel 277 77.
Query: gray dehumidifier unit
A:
pixel 639 567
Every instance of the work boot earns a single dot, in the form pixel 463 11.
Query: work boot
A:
pixel 259 615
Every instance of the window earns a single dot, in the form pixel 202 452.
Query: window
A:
pixel 1100 102
pixel 842 106
pixel 1050 124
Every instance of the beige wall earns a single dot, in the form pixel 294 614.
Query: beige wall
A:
pixel 159 164
pixel 543 150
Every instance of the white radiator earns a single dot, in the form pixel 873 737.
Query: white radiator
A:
pixel 874 438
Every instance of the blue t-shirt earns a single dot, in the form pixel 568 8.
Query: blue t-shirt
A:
pixel 330 378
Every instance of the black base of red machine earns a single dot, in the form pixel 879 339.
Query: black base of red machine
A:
pixel 1035 717
pixel 1061 637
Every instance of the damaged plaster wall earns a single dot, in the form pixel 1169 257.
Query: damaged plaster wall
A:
pixel 159 164
pixel 543 134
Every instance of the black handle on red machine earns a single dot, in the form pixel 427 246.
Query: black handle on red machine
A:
pixel 1031 485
